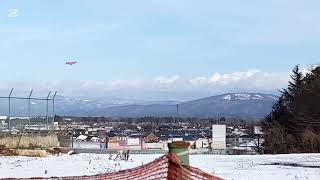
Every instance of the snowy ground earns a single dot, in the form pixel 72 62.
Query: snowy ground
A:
pixel 228 167
pixel 250 167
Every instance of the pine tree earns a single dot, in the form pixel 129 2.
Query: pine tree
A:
pixel 294 88
pixel 294 123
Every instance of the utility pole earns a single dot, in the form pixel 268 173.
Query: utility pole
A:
pixel 141 143
pixel 29 104
pixel 47 109
pixel 259 143
pixel 53 110
pixel 178 112
pixel 72 133
pixel 9 113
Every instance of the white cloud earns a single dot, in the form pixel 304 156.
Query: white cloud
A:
pixel 162 87
pixel 232 77
pixel 167 80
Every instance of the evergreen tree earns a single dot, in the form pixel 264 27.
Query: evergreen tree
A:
pixel 294 123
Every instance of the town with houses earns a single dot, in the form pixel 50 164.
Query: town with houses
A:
pixel 149 135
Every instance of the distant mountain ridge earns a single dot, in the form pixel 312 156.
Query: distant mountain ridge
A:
pixel 235 105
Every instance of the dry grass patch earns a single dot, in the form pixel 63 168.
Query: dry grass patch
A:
pixel 29 141
pixel 31 153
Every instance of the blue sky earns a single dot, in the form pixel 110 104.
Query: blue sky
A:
pixel 139 42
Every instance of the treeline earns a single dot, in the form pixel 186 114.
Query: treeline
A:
pixel 293 126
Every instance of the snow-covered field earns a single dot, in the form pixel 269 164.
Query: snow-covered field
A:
pixel 248 167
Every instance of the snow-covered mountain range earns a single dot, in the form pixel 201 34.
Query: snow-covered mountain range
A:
pixel 238 105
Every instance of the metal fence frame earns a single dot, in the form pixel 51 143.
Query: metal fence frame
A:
pixel 29 98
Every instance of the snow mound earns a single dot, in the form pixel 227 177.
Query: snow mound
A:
pixel 242 96
pixel 257 97
pixel 227 97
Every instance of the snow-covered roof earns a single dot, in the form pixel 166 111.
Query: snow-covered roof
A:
pixel 19 117
pixel 240 133
pixel 242 148
pixel 248 144
pixel 82 137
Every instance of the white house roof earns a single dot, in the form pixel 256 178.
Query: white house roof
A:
pixel 19 117
pixel 82 137
pixel 243 148
pixel 248 144
pixel 94 138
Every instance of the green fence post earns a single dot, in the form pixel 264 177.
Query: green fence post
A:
pixel 181 149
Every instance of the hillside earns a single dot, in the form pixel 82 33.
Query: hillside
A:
pixel 244 105
pixel 239 105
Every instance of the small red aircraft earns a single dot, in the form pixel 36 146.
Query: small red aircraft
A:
pixel 71 62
